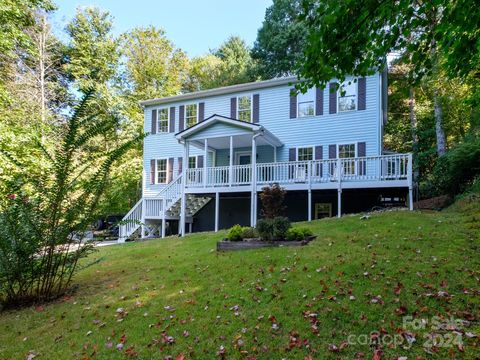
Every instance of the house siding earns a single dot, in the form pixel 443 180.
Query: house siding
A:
pixel 274 109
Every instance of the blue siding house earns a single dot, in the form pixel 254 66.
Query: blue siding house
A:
pixel 210 153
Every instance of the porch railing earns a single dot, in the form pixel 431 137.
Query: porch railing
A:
pixel 369 168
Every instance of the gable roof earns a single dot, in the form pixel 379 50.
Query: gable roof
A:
pixel 213 120
pixel 222 90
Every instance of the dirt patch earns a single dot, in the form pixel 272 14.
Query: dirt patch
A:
pixel 435 203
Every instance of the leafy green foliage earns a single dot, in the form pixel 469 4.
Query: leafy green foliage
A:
pixel 281 224
pixel 235 233
pixel 45 233
pixel 265 229
pixel 298 233
pixel 280 40
pixel 249 232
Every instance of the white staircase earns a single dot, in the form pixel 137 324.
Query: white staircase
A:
pixel 166 204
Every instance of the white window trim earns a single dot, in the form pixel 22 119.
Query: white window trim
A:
pixel 305 147
pixel 355 80
pixel 251 106
pixel 314 105
pixel 158 120
pixel 185 114
pixel 242 153
pixel 166 171
pixel 196 161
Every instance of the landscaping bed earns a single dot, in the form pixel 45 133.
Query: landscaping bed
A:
pixel 227 245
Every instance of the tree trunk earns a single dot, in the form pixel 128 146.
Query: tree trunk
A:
pixel 441 143
pixel 413 124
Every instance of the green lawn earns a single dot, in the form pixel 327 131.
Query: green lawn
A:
pixel 167 298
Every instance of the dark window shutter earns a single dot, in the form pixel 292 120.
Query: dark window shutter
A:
pixel 362 93
pixel 233 107
pixel 332 106
pixel 332 151
pixel 172 119
pixel 201 111
pixel 181 118
pixel 292 154
pixel 318 101
pixel 256 108
pixel 152 171
pixel 293 104
pixel 361 149
pixel 319 156
pixel 170 170
pixel 200 161
pixel 154 121
pixel 362 152
pixel 180 165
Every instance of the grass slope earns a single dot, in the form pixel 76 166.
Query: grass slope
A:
pixel 177 298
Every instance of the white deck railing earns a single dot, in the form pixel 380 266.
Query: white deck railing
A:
pixel 369 168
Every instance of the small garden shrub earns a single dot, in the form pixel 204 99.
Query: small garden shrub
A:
pixel 249 232
pixel 235 233
pixel 281 225
pixel 273 229
pixel 265 229
pixel 298 233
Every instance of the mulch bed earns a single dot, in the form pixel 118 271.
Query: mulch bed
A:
pixel 435 203
pixel 226 245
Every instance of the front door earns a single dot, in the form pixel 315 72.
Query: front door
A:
pixel 242 174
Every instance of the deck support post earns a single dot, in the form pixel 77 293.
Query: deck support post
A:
pixel 142 226
pixel 217 208
pixel 183 204
pixel 309 205
pixel 339 201
pixel 410 181
pixel 230 170
pixel 164 223
pixel 205 158
pixel 253 217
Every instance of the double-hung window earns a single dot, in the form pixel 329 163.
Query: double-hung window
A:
pixel 305 154
pixel 162 168
pixel 244 108
pixel 191 115
pixel 347 152
pixel 306 103
pixel 192 162
pixel 347 97
pixel 163 120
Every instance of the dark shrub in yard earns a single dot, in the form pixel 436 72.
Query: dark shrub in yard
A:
pixel 280 227
pixel 40 237
pixel 235 233
pixel 249 232
pixel 265 229
pixel 272 201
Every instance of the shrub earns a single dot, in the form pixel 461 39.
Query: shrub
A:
pixel 40 234
pixel 298 233
pixel 249 232
pixel 272 201
pixel 235 233
pixel 281 225
pixel 265 229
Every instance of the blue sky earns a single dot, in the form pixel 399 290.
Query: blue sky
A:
pixel 193 25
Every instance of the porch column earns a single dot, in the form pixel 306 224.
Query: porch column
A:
pixel 309 205
pixel 230 170
pixel 410 181
pixel 217 208
pixel 253 220
pixel 339 201
pixel 164 223
pixel 183 204
pixel 205 158
pixel 142 226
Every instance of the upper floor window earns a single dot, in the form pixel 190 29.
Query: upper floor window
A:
pixel 191 115
pixel 192 162
pixel 162 168
pixel 347 97
pixel 163 120
pixel 305 154
pixel 306 103
pixel 244 108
